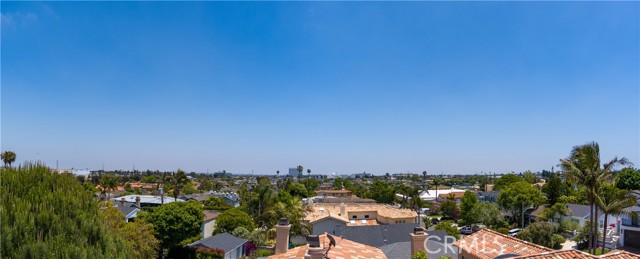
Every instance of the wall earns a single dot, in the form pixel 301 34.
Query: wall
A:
pixel 208 228
pixel 361 214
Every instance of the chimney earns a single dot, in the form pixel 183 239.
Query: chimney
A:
pixel 138 201
pixel 122 201
pixel 314 249
pixel 418 238
pixel 488 187
pixel 282 236
pixel 343 209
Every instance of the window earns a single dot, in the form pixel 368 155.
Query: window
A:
pixel 354 217
pixel 366 216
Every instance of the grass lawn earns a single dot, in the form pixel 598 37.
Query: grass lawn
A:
pixel 598 251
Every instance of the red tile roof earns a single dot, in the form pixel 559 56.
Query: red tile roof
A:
pixel 487 244
pixel 344 249
pixel 565 254
pixel 619 254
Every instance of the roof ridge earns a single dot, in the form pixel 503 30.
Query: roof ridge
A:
pixel 517 239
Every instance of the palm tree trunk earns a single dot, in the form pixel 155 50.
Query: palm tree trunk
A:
pixel 604 232
pixel 595 230
pixel 590 227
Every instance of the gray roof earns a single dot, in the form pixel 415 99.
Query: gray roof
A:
pixel 402 250
pixel 578 210
pixel 381 235
pixel 224 241
pixel 128 210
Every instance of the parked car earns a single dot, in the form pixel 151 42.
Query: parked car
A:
pixel 466 230
pixel 475 229
pixel 435 221
pixel 425 211
pixel 514 232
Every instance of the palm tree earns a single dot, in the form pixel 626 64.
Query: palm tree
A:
pixel 612 201
pixel 437 182
pixel 8 157
pixel 109 183
pixel 179 180
pixel 583 167
pixel 424 174
pixel 308 173
pixel 299 169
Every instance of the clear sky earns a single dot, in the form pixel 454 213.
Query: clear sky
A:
pixel 462 87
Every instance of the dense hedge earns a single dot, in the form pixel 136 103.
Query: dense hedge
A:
pixel 50 215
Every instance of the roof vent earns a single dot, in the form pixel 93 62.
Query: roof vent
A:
pixel 313 240
pixel 283 222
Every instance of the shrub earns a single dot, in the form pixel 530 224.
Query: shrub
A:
pixel 449 228
pixel 263 253
pixel 558 240
pixel 419 255
pixel 503 230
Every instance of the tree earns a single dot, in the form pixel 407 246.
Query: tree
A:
pixel 539 233
pixel 175 222
pixel 449 228
pixel 612 201
pixel 506 181
pixel 529 177
pixel 488 213
pixel 629 179
pixel 450 208
pixel 518 197
pixel 296 189
pixel 47 215
pixel 233 218
pixel 419 255
pixel 308 173
pixel 469 201
pixel 178 182
pixel 138 234
pixel 241 232
pixel 424 174
pixel 205 185
pixel 560 208
pixel 109 182
pixel 553 189
pixel 8 157
pixel 437 182
pixel 299 168
pixel 216 203
pixel 583 167
pixel 382 192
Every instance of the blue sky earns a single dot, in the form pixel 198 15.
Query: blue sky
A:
pixel 458 87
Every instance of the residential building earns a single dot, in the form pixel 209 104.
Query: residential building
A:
pixel 233 247
pixel 326 217
pixel 147 200
pixel 319 247
pixel 489 244
pixel 209 223
pixel 129 209
pixel 630 227
pixel 335 193
pixel 488 196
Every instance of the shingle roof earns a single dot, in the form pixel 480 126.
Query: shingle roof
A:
pixel 381 235
pixel 344 249
pixel 224 241
pixel 210 215
pixel 402 250
pixel 487 244
pixel 578 210
pixel 127 210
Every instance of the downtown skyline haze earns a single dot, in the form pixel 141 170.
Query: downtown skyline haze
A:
pixel 345 87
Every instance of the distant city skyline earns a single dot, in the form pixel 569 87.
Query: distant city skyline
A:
pixel 344 87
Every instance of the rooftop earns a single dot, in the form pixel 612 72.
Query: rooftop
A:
pixel 324 210
pixel 344 249
pixel 148 199
pixel 487 244
pixel 224 241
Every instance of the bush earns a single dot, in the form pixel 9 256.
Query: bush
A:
pixel 449 228
pixel 262 253
pixel 558 240
pixel 503 230
pixel 419 255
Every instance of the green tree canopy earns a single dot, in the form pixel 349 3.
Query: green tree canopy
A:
pixel 488 213
pixel 233 218
pixel 540 233
pixel 382 192
pixel 49 215
pixel 138 234
pixel 506 181
pixel 553 189
pixel 8 157
pixel 296 189
pixel 519 196
pixel 469 201
pixel 176 221
pixel 216 203
pixel 449 228
pixel 629 179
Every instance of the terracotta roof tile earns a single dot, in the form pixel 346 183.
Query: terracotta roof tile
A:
pixel 565 254
pixel 619 254
pixel 487 244
pixel 324 210
pixel 344 249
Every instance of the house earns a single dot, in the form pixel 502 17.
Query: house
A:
pixel 335 193
pixel 147 200
pixel 489 244
pixel 129 209
pixel 319 247
pixel 488 196
pixel 630 227
pixel 438 243
pixel 233 247
pixel 430 195
pixel 209 223
pixel 326 217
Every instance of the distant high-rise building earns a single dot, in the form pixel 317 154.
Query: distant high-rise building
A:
pixel 293 172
